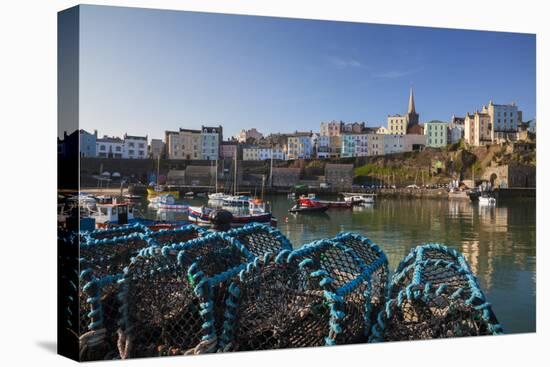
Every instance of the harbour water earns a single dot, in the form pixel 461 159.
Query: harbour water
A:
pixel 498 241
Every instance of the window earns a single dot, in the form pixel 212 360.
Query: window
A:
pixel 118 148
pixel 131 145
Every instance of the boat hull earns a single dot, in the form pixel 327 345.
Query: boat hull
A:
pixel 203 218
pixel 151 193
pixel 337 204
pixel 309 209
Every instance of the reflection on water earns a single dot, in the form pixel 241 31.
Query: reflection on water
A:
pixel 498 241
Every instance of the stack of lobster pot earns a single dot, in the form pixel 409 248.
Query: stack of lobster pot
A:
pixel 173 297
pixel 433 294
pixel 324 293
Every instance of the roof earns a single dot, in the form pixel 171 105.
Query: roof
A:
pixel 109 139
pixel 126 136
pixel 189 131
pixel 298 134
pixel 211 129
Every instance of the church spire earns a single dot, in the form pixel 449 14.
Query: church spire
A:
pixel 411 103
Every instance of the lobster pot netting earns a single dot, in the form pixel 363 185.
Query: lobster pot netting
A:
pixel 67 243
pixel 434 295
pixel 178 235
pixel 173 298
pixel 103 261
pixel 317 295
pixel 120 231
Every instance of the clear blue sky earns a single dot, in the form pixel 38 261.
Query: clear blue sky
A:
pixel 146 71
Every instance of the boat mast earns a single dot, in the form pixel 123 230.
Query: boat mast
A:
pixel 235 176
pixel 158 169
pixel 216 184
pixel 270 169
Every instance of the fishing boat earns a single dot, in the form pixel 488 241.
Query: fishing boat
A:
pixel 358 199
pixel 330 203
pixel 254 214
pixel 307 205
pixel 159 191
pixel 236 200
pixel 167 202
pixel 114 213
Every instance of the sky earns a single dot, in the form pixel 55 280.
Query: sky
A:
pixel 145 71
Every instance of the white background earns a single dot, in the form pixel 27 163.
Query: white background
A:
pixel 28 180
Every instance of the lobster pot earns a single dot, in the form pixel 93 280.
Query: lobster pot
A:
pixel 123 230
pixel 103 261
pixel 110 255
pixel 178 235
pixel 434 294
pixel 99 307
pixel 317 295
pixel 173 298
pixel 67 243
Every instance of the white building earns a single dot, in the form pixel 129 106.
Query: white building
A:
pixel 503 117
pixel 375 144
pixel 211 137
pixel 323 146
pixel 135 147
pixel 393 143
pixel 110 147
pixel 251 153
pixel 257 153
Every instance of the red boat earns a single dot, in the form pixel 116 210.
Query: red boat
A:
pixel 307 205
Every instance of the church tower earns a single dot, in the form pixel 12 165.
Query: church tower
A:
pixel 412 116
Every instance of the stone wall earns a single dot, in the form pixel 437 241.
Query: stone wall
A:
pixel 511 176
pixel 285 177
pixel 339 175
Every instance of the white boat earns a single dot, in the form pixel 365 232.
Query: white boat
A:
pixel 167 202
pixel 218 196
pixel 112 213
pixel 236 200
pixel 487 200
pixel 189 194
pixel 359 198
pixel 255 213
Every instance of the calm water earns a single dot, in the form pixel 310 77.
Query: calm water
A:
pixel 499 242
